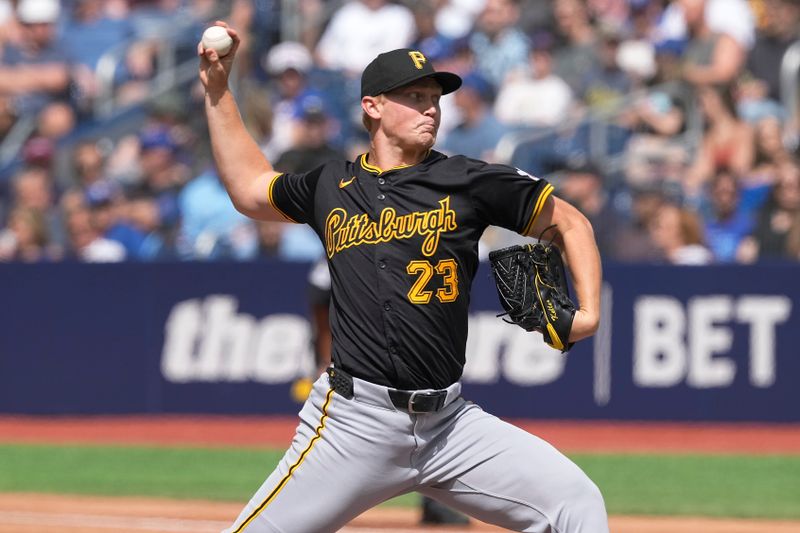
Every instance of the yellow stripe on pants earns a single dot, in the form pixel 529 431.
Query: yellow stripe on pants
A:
pixel 287 477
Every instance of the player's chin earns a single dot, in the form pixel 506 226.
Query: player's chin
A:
pixel 427 140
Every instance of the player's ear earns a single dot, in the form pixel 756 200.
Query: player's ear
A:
pixel 371 106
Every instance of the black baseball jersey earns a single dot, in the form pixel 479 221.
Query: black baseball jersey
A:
pixel 402 247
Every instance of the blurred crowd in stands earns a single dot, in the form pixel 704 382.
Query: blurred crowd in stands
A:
pixel 665 122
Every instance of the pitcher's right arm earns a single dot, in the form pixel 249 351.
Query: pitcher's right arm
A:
pixel 243 168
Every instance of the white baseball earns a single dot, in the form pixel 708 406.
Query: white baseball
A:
pixel 217 38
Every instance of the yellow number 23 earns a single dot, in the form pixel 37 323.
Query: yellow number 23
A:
pixel 425 270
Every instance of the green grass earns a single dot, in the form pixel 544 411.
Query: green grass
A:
pixel 135 471
pixel 702 485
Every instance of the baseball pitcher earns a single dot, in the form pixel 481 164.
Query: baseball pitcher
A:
pixel 400 225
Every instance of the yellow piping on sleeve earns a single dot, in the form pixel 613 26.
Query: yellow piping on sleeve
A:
pixel 548 190
pixel 272 201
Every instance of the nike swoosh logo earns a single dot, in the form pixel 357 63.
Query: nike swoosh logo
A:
pixel 343 184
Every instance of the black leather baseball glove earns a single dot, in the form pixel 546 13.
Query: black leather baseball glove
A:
pixel 532 285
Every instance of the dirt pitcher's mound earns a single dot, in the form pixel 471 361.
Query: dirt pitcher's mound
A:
pixel 573 436
pixel 39 513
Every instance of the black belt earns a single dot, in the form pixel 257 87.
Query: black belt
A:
pixel 418 401
pixel 410 401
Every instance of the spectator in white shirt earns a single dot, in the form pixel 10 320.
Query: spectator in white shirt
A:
pixel 539 99
pixel 732 17
pixel 359 30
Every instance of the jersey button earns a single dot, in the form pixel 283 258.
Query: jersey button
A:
pixel 381 265
pixel 381 196
pixel 392 349
pixel 381 181
pixel 387 306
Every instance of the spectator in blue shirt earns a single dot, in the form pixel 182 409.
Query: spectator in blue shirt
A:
pixel 89 33
pixel 480 131
pixel 35 71
pixel 727 223
pixel 210 227
pixel 500 47
pixel 107 207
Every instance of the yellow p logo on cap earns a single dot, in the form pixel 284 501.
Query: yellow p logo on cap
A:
pixel 417 58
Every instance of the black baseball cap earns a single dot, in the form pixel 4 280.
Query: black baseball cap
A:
pixel 394 69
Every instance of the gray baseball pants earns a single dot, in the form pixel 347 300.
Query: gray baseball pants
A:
pixel 349 455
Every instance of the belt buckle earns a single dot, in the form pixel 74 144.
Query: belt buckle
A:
pixel 427 394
